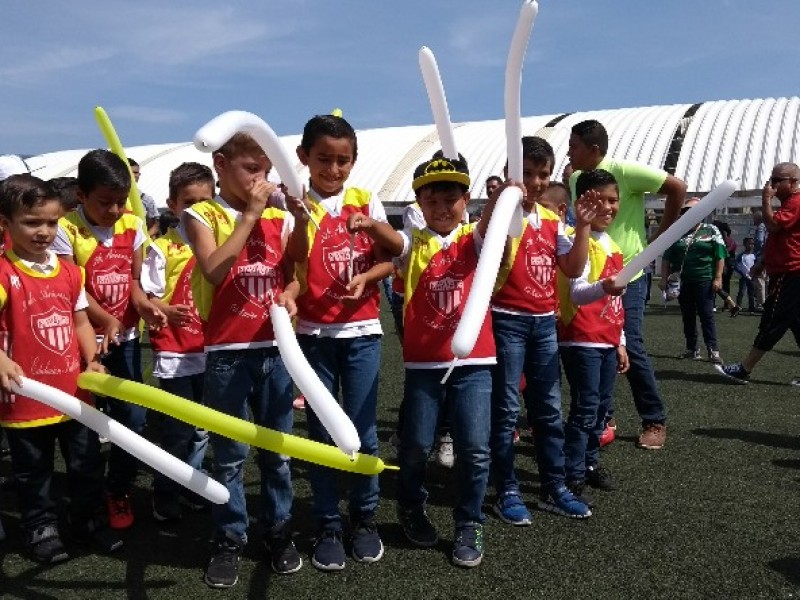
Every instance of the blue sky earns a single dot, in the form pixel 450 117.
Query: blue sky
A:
pixel 161 69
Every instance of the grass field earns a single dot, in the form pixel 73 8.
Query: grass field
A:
pixel 713 515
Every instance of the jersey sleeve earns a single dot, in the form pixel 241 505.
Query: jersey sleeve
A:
pixel 62 244
pixel 642 179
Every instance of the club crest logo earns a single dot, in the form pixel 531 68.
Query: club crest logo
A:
pixel 541 270
pixel 113 288
pixel 256 280
pixel 53 329
pixel 444 295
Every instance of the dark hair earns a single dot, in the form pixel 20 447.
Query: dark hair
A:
pixel 101 167
pixel 189 173
pixel 537 150
pixel 67 190
pixel 593 179
pixel 330 125
pixel 561 188
pixel 166 220
pixel 22 193
pixel 496 178
pixel 745 240
pixel 723 227
pixel 240 144
pixel 592 133
pixel 132 162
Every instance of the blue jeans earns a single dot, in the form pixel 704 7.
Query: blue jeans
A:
pixel 468 391
pixel 697 300
pixel 124 361
pixel 591 373
pixel 252 385
pixel 181 439
pixel 352 365
pixel 640 376
pixel 526 344
pixel 32 450
pixel 746 285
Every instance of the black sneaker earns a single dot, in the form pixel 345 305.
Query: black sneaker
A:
pixel 578 489
pixel 44 545
pixel 166 507
pixel 367 544
pixel 734 372
pixel 223 568
pixel 418 527
pixel 97 534
pixel 599 477
pixel 468 545
pixel 283 554
pixel 329 552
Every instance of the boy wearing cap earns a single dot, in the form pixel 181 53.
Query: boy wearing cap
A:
pixel 438 263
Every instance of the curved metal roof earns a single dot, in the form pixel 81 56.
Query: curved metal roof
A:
pixel 714 141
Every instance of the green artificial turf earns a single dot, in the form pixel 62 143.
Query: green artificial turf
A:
pixel 713 514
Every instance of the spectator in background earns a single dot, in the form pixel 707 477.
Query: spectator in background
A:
pixel 759 235
pixel 744 263
pixel 727 269
pixel 149 203
pixel 67 190
pixel 493 182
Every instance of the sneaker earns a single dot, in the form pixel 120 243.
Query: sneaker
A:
pixel 578 489
pixel 599 477
pixel 44 545
pixel 607 436
pixel 328 550
pixel 714 357
pixel 468 545
pixel 97 534
pixel 735 311
pixel 120 511
pixel 166 507
pixel 512 510
pixel 444 455
pixel 562 502
pixel 299 403
pixel 418 527
pixel 653 436
pixel 691 354
pixel 795 381
pixel 612 424
pixel 367 544
pixel 734 371
pixel 283 554
pixel 223 568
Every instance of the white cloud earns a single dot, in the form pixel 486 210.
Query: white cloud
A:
pixel 51 60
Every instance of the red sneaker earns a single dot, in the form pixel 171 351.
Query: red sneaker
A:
pixel 607 436
pixel 120 511
pixel 299 403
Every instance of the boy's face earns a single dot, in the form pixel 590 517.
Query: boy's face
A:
pixel 609 196
pixel 536 178
pixel 552 199
pixel 190 194
pixel 443 211
pixel 491 187
pixel 238 174
pixel 33 230
pixel 329 163
pixel 104 205
pixel 749 245
pixel 581 156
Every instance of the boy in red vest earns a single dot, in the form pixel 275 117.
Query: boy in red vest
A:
pixel 591 341
pixel 239 242
pixel 179 359
pixel 46 335
pixel 438 264
pixel 107 241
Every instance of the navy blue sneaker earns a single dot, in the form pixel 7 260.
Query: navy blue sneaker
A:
pixel 367 544
pixel 329 552
pixel 734 372
pixel 418 527
pixel 561 501
pixel 468 545
pixel 600 478
pixel 512 510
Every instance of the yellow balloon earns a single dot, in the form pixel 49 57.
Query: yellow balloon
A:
pixel 112 139
pixel 236 429
pixel 337 112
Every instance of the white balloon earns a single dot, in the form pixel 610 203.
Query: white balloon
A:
pixel 327 409
pixel 438 100
pixel 677 230
pixel 486 274
pixel 131 442
pixel 516 55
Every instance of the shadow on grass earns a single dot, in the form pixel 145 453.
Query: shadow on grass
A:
pixel 787 464
pixel 775 440
pixel 789 567
pixel 709 378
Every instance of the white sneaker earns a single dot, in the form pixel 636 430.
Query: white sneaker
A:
pixel 445 455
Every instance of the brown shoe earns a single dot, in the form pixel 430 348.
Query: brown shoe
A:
pixel 653 436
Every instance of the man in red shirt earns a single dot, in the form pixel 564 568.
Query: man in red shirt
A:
pixel 782 263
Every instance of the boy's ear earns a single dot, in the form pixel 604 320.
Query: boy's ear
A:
pixel 4 222
pixel 171 204
pixel 219 161
pixel 301 154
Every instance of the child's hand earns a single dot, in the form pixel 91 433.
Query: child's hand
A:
pixel 587 207
pixel 258 195
pixel 358 222
pixel 716 285
pixel 152 315
pixel 298 207
pixel 111 333
pixel 95 366
pixel 623 364
pixel 9 371
pixel 611 288
pixel 356 288
pixel 287 302
pixel 178 315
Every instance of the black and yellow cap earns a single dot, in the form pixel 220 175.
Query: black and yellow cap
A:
pixel 440 169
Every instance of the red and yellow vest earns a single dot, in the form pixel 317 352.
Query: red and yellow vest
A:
pixel 179 264
pixel 109 272
pixel 236 312
pixel 526 281
pixel 37 331
pixel 323 277
pixel 601 321
pixel 437 282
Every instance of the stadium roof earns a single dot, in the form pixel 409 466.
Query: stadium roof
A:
pixel 703 144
